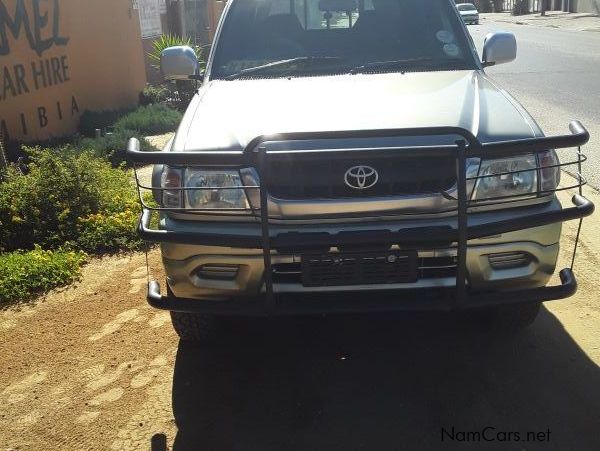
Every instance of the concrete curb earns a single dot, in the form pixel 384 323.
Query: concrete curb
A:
pixel 553 19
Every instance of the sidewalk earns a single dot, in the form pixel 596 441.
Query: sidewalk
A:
pixel 552 19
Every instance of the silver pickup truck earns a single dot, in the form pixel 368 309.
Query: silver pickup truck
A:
pixel 353 156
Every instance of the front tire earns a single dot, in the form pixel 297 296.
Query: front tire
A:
pixel 193 327
pixel 515 317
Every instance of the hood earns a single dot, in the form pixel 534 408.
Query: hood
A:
pixel 227 115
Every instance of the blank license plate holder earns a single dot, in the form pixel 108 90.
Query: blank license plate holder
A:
pixel 359 268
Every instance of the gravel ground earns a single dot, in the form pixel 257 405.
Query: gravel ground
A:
pixel 160 141
pixel 92 367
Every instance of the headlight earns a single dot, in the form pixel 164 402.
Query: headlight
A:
pixel 227 189
pixel 515 176
pixel 550 171
pixel 171 178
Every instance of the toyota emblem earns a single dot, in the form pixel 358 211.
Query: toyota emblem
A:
pixel 361 177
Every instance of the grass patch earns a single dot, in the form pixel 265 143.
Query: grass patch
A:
pixel 24 274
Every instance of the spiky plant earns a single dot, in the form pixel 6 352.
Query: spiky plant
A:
pixel 169 40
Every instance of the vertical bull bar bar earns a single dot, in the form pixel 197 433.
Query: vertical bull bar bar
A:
pixel 461 250
pixel 264 223
pixel 461 226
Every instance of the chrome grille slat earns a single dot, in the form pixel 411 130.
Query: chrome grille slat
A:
pixel 509 260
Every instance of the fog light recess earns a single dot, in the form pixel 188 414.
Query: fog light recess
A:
pixel 509 260
pixel 218 272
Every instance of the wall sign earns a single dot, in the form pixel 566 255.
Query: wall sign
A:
pixel 40 28
pixel 58 59
pixel 150 18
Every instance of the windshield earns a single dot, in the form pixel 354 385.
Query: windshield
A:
pixel 270 38
pixel 466 7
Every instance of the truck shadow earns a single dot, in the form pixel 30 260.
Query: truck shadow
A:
pixel 382 382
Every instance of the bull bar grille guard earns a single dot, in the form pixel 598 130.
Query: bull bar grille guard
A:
pixel 255 155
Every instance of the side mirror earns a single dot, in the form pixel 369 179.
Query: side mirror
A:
pixel 499 47
pixel 179 63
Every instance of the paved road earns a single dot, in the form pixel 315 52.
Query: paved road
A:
pixel 556 77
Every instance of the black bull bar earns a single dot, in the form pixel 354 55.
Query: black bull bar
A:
pixel 460 230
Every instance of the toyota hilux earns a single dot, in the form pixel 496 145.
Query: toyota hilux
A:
pixel 354 156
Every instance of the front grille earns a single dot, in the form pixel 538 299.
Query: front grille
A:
pixel 292 177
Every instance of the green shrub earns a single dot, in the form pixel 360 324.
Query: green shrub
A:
pixel 175 94
pixel 46 205
pixel 150 120
pixel 112 146
pixel 91 120
pixel 110 231
pixel 154 118
pixel 23 274
pixel 154 94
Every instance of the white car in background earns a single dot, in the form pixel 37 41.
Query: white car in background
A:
pixel 469 13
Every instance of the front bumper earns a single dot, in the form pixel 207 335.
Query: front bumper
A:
pixel 412 300
pixel 470 19
pixel 424 235
pixel 487 232
pixel 184 265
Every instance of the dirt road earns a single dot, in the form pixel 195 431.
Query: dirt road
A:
pixel 93 368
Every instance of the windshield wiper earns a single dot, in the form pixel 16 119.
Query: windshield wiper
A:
pixel 456 64
pixel 388 64
pixel 281 63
